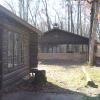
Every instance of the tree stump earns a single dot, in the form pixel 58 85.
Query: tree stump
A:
pixel 40 77
pixel 92 84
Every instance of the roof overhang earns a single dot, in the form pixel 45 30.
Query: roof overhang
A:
pixel 57 36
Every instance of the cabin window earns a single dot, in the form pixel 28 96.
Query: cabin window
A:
pixel 64 48
pixel 17 51
pixel 14 49
pixel 10 49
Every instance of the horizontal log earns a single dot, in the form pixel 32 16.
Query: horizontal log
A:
pixel 14 73
pixel 14 79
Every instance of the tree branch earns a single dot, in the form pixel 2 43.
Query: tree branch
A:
pixel 90 1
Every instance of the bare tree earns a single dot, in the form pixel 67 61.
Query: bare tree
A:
pixel 34 13
pixel 24 9
pixel 93 29
pixel 69 11
pixel 46 13
pixel 60 21
pixel 79 24
pixel 11 6
pixel 71 17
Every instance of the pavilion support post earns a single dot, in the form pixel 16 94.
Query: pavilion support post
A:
pixel 87 53
pixel 56 49
pixel 82 48
pixel 41 49
pixel 47 49
pixel 52 49
pixel 66 48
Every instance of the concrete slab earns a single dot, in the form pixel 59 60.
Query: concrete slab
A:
pixel 40 96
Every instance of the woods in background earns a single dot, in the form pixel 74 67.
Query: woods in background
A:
pixel 81 17
pixel 70 15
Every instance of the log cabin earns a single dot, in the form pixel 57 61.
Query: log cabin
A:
pixel 18 48
pixel 63 45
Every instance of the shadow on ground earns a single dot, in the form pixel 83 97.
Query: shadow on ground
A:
pixel 26 90
pixel 29 90
pixel 60 62
pixel 98 61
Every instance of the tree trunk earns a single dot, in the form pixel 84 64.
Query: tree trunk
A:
pixel 93 28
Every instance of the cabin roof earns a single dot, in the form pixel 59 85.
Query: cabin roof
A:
pixel 8 13
pixel 57 36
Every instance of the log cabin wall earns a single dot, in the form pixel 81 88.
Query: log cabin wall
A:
pixel 16 39
pixel 15 51
pixel 0 57
pixel 33 50
pixel 69 57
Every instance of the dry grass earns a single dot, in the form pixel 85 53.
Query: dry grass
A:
pixel 71 77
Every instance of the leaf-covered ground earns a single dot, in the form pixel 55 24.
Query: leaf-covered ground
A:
pixel 70 76
pixel 64 78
